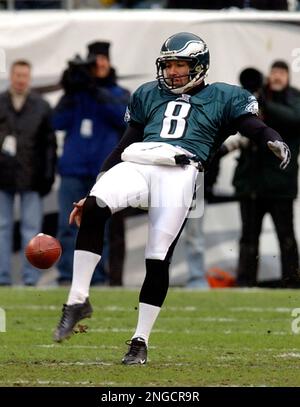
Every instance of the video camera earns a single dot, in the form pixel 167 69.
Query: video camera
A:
pixel 78 76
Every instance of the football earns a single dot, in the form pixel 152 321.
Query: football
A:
pixel 43 251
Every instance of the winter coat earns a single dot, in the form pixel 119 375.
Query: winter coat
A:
pixel 93 121
pixel 32 167
pixel 257 173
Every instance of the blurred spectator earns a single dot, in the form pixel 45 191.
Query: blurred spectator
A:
pixel 38 4
pixel 194 240
pixel 194 237
pixel 261 186
pixel 33 4
pixel 201 4
pixel 219 4
pixel 137 4
pixel 91 113
pixel 27 165
pixel 259 4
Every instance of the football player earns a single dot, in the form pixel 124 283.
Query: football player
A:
pixel 175 124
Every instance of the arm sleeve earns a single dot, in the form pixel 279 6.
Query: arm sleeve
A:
pixel 255 129
pixel 133 134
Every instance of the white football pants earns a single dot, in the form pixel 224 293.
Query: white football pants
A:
pixel 167 192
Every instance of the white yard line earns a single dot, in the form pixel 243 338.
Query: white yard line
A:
pixel 53 345
pixel 59 363
pixel 54 382
pixel 289 355
pixel 115 308
pixel 261 309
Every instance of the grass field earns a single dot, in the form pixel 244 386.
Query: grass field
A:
pixel 202 338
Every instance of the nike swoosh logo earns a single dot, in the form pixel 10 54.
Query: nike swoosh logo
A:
pixel 143 361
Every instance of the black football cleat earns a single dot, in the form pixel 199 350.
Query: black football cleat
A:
pixel 71 314
pixel 137 352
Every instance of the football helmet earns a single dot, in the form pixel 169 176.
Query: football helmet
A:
pixel 187 47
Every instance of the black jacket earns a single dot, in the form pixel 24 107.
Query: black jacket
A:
pixel 258 173
pixel 33 166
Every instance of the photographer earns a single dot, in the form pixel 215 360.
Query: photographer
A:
pixel 91 113
pixel 260 185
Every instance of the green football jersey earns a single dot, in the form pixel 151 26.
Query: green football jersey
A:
pixel 199 123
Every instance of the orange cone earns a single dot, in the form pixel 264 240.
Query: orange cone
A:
pixel 218 278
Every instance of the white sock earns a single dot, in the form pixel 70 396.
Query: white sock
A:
pixel 147 316
pixel 83 268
